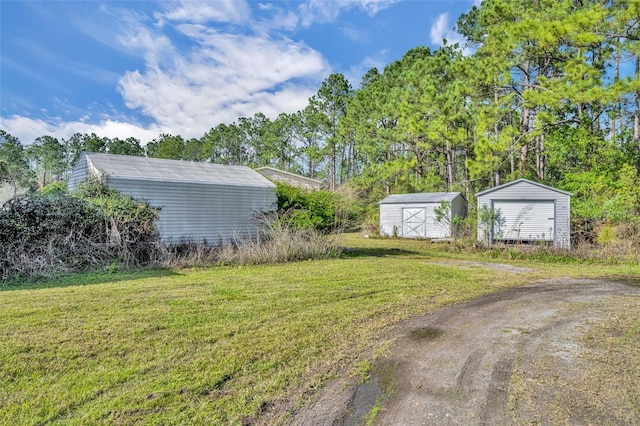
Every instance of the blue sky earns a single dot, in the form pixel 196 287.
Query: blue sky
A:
pixel 141 68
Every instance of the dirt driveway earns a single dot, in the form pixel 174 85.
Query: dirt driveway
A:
pixel 520 356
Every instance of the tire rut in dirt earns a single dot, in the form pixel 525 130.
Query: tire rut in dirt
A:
pixel 455 366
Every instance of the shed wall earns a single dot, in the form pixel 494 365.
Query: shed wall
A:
pixel 525 191
pixel 79 173
pixel 201 212
pixel 391 217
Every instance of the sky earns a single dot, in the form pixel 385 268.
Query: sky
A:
pixel 142 68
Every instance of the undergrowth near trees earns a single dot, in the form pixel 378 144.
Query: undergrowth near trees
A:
pixel 97 228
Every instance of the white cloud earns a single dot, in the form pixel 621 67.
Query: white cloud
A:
pixel 279 19
pixel 212 77
pixel 441 30
pixel 225 76
pixel 328 10
pixel 28 129
pixel 200 12
pixel 356 72
pixel 355 34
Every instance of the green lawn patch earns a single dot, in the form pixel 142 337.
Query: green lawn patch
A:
pixel 219 345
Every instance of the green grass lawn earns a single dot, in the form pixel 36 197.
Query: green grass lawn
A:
pixel 223 345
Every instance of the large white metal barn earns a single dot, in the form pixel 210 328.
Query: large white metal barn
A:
pixel 199 202
pixel 414 216
pixel 526 211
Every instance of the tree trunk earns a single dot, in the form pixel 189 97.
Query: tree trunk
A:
pixel 332 172
pixel 450 174
pixel 616 77
pixel 526 121
pixel 636 115
pixel 540 163
pixel 512 160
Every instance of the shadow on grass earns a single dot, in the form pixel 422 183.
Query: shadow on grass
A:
pixel 87 278
pixel 352 252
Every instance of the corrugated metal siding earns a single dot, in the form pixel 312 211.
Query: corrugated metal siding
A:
pixel 390 220
pixel 201 212
pixel 525 220
pixel 526 191
pixel 392 217
pixel 79 173
pixel 195 211
pixel 435 229
pixel 391 212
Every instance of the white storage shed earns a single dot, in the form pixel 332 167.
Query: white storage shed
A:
pixel 199 202
pixel 525 212
pixel 413 215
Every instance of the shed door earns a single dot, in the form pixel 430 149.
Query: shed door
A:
pixel 414 222
pixel 525 220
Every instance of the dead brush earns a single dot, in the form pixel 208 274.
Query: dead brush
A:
pixel 274 243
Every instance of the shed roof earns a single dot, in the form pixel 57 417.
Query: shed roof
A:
pixel 422 197
pixel 271 171
pixel 157 169
pixel 522 180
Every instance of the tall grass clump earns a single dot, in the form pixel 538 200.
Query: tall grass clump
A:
pixel 277 242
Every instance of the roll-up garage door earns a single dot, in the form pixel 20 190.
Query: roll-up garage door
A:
pixel 525 220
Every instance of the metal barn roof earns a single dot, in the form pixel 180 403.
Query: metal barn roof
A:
pixel 423 197
pixel 522 180
pixel 156 169
pixel 288 177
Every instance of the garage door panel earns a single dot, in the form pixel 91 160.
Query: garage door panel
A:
pixel 525 220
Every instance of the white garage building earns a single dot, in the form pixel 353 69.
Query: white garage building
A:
pixel 413 215
pixel 199 202
pixel 526 212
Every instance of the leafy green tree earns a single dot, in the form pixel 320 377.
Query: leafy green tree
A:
pixel 307 128
pixel 193 150
pixel 129 146
pixel 307 209
pixel 49 156
pixel 79 143
pixel 166 146
pixel 330 103
pixel 14 165
pixel 371 122
pixel 225 144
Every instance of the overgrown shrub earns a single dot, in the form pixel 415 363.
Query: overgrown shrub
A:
pixel 40 235
pixel 43 235
pixel 305 209
pixel 129 224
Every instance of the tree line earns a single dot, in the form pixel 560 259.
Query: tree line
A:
pixel 549 92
